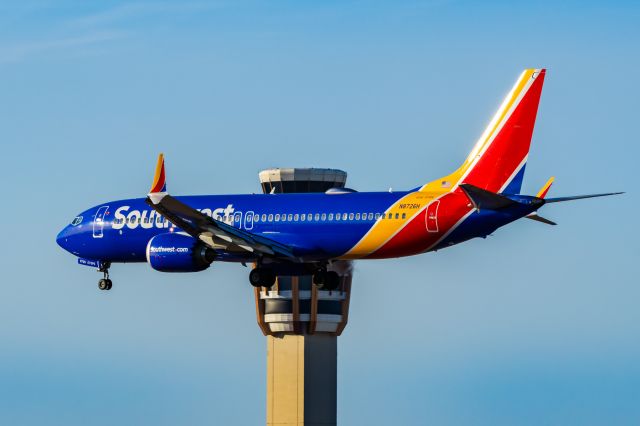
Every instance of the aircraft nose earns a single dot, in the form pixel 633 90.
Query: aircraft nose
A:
pixel 63 239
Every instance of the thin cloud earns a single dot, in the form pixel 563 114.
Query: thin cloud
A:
pixel 133 10
pixel 20 51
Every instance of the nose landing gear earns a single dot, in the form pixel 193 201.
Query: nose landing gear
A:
pixel 105 283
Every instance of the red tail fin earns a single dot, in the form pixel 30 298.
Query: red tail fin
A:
pixel 501 153
pixel 497 161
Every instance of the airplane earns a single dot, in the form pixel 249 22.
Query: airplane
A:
pixel 308 233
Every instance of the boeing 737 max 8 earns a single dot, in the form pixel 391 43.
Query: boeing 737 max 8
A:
pixel 295 234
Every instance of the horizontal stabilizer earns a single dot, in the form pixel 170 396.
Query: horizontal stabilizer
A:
pixel 483 199
pixel 579 197
pixel 534 216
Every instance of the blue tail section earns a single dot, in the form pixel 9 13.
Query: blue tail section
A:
pixel 515 185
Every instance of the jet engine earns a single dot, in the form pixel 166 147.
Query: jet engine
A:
pixel 178 253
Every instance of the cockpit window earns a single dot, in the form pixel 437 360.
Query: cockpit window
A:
pixel 76 221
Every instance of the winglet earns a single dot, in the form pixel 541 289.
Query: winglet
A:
pixel 543 191
pixel 159 186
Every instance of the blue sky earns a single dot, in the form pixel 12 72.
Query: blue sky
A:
pixel 535 325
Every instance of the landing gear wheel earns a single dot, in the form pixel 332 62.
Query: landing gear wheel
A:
pixel 262 277
pixel 326 280
pixel 102 284
pixel 320 277
pixel 105 283
pixel 331 281
pixel 254 277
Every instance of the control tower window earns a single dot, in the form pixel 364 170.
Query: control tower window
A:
pixel 315 186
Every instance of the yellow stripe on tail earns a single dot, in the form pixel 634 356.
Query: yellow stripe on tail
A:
pixel 543 191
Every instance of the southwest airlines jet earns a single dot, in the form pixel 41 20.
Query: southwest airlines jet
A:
pixel 306 234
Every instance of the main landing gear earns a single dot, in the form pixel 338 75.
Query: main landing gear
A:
pixel 326 280
pixel 105 283
pixel 262 277
pixel 323 279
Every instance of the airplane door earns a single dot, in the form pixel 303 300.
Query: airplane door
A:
pixel 98 222
pixel 237 220
pixel 432 216
pixel 248 221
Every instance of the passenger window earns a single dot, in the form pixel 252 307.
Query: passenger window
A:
pixel 303 217
pixel 295 217
pixel 324 217
pixel 397 215
pixel 309 217
pixel 330 216
pixel 371 216
pixel 264 217
pixel 344 216
pixel 350 216
pixel 337 216
pixel 404 215
pixel 278 217
pixel 290 217
pixel 317 217
pixel 357 216
pixel 377 216
pixel 270 218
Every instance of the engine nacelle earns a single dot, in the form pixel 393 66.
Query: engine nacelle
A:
pixel 178 253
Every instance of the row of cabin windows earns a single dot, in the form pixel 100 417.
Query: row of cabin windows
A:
pixel 135 219
pixel 324 217
pixel 309 217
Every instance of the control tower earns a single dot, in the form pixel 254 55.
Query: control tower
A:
pixel 302 323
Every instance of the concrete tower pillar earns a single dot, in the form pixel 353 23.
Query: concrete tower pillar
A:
pixel 302 323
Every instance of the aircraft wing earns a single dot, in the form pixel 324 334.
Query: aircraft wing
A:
pixel 216 234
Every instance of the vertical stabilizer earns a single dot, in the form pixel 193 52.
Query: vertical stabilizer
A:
pixel 497 161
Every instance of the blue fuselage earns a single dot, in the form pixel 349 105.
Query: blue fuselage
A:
pixel 315 226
